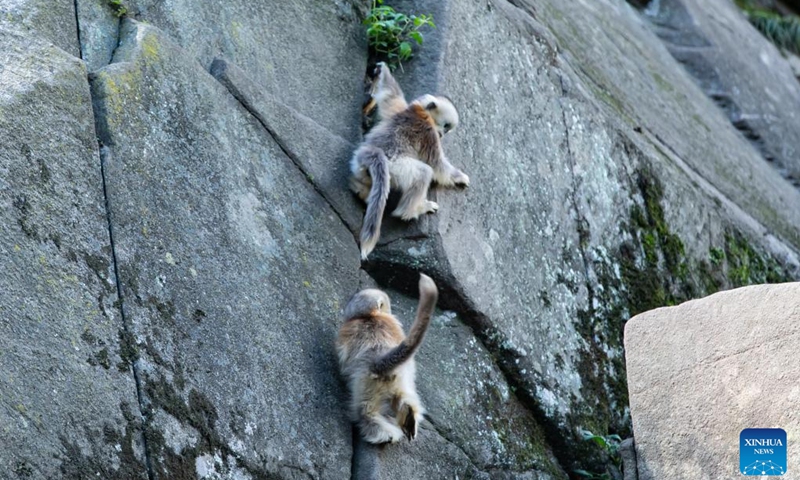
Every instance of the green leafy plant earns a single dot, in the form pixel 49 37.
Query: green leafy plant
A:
pixel 610 444
pixel 782 30
pixel 118 7
pixel 391 33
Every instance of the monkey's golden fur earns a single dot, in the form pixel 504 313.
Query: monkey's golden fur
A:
pixel 377 362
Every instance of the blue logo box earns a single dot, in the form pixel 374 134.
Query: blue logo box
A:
pixel 762 452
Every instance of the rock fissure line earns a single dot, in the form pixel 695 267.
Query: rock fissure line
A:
pixel 508 360
pixel 579 218
pixel 103 152
pixel 78 29
pixel 136 374
pixel 285 149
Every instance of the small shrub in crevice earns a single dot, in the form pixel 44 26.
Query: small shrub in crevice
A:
pixel 782 30
pixel 391 33
pixel 610 446
pixel 118 7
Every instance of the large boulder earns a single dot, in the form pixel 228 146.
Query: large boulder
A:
pixel 701 372
pixel 233 271
pixel 68 395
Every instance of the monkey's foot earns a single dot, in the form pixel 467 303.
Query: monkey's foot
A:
pixel 380 67
pixel 413 214
pixel 408 422
pixel 378 430
pixel 460 179
pixel 430 207
pixel 369 106
pixel 404 215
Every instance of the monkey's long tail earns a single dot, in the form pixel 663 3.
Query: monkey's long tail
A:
pixel 428 294
pixel 377 163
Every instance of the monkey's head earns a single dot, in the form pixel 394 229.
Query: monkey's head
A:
pixel 442 110
pixel 366 302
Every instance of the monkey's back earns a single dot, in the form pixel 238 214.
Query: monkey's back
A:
pixel 408 133
pixel 363 339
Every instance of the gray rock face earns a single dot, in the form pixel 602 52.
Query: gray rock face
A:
pixel 604 183
pixel 99 31
pixel 738 68
pixel 215 232
pixel 68 396
pixel 309 54
pixel 53 20
pixel 319 154
pixel 471 406
pixel 726 354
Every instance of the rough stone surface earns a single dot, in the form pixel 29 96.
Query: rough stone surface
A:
pixel 743 72
pixel 322 156
pixel 794 63
pixel 470 405
pixel 726 354
pixel 68 405
pixel 216 233
pixel 53 20
pixel 627 453
pixel 98 26
pixel 310 54
pixel 623 65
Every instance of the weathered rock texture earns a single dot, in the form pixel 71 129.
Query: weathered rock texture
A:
pixel 215 250
pixel 732 357
pixel 68 400
pixel 743 72
pixel 179 239
pixel 51 20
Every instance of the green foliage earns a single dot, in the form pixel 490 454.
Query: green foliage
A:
pixel 118 7
pixel 610 445
pixel 783 31
pixel 391 33
pixel 716 255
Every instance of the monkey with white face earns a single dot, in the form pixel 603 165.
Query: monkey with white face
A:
pixel 402 152
pixel 377 362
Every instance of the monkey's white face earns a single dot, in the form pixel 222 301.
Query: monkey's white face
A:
pixel 442 111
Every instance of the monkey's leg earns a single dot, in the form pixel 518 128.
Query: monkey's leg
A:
pixel 387 93
pixel 378 429
pixel 413 178
pixel 360 181
pixel 406 400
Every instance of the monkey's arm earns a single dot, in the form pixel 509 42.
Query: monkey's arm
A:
pixel 387 93
pixel 444 173
pixel 428 294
